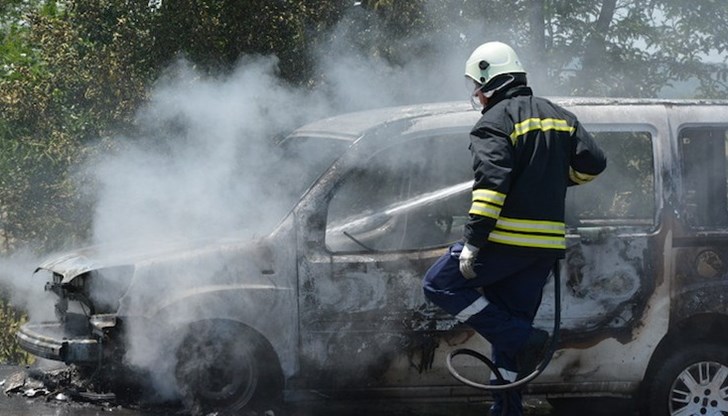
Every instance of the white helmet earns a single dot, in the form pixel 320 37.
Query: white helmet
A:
pixel 490 60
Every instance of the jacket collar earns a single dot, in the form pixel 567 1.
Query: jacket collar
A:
pixel 516 91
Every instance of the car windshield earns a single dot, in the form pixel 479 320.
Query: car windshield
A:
pixel 302 160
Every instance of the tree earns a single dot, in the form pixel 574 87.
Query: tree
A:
pixel 82 77
pixel 633 49
pixel 74 71
pixel 610 47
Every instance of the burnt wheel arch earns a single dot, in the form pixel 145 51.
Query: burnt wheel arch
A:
pixel 224 365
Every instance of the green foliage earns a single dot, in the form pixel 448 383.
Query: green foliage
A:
pixel 628 49
pixel 74 71
pixel 216 34
pixel 10 322
pixel 76 83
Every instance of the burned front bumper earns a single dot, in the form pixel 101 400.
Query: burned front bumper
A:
pixel 51 340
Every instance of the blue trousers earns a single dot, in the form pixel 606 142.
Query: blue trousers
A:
pixel 499 303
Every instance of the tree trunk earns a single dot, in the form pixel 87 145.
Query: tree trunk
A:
pixel 595 47
pixel 537 49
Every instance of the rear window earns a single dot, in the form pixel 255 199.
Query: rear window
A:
pixel 704 151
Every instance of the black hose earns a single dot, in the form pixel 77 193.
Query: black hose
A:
pixel 499 377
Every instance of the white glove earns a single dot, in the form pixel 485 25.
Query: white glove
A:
pixel 467 259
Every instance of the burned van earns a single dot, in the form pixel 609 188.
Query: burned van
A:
pixel 329 303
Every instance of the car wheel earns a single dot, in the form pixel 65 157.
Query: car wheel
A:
pixel 691 381
pixel 226 366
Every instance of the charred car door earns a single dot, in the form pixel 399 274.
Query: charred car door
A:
pixel 615 241
pixel 388 216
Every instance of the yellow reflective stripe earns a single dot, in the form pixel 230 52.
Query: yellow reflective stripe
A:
pixel 542 124
pixel 580 178
pixel 531 226
pixel 487 195
pixel 485 210
pixel 522 240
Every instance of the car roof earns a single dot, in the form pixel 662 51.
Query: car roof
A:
pixel 351 126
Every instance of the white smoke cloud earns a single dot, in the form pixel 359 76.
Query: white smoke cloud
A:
pixel 200 169
pixel 25 291
pixel 201 165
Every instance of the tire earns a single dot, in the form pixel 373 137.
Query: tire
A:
pixel 690 381
pixel 224 366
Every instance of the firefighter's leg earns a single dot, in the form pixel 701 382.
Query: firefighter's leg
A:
pixel 507 402
pixel 446 287
pixel 520 294
pixel 503 313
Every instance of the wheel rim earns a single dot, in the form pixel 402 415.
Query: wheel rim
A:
pixel 700 389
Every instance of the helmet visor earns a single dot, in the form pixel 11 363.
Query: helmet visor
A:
pixel 474 87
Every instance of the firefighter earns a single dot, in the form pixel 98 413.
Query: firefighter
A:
pixel 526 151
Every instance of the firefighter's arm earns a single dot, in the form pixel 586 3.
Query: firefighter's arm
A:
pixel 492 165
pixel 587 159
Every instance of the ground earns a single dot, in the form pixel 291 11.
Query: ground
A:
pixel 57 404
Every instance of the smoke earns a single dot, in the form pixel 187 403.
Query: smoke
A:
pixel 204 163
pixel 428 68
pixel 24 290
pixel 201 168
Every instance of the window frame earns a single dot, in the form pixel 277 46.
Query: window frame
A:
pixel 634 128
pixel 403 140
pixel 680 129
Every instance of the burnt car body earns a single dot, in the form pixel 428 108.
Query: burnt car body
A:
pixel 337 308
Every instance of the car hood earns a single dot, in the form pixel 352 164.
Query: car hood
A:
pixel 75 263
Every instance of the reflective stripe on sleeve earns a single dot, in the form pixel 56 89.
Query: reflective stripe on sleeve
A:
pixel 484 210
pixel 487 203
pixel 487 195
pixel 542 124
pixel 475 307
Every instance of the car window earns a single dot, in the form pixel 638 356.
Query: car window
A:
pixel 300 161
pixel 411 195
pixel 624 193
pixel 705 192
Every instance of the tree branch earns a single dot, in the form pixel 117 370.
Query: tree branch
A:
pixel 596 44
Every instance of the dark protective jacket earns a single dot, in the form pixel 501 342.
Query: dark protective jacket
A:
pixel 526 152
